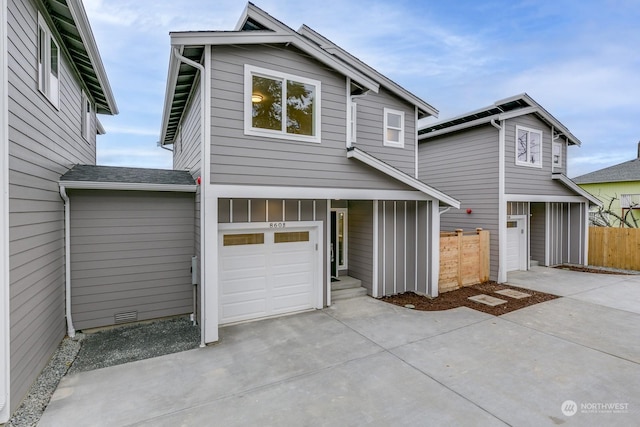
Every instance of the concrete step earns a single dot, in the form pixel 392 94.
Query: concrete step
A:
pixel 533 263
pixel 348 293
pixel 345 282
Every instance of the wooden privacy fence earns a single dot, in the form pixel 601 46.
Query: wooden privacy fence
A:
pixel 614 247
pixel 464 259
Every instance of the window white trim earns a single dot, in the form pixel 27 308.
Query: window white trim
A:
pixel 86 114
pixel 529 131
pixel 387 127
pixel 249 72
pixel 48 63
pixel 353 123
pixel 556 150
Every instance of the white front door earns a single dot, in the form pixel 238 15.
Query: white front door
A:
pixel 265 272
pixel 516 243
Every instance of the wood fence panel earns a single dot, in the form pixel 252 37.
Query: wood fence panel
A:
pixel 614 247
pixel 464 259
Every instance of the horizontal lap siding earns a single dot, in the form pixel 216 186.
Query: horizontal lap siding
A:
pixel 249 160
pixel 130 251
pixel 537 233
pixel 44 143
pixel 525 179
pixel 360 242
pixel 370 133
pixel 464 165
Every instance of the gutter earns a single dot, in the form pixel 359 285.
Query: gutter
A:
pixel 67 260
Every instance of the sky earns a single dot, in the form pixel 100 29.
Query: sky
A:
pixel 579 59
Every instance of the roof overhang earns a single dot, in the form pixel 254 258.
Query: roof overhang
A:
pixel 355 153
pixel 73 26
pixel 576 188
pixel 131 186
pixel 508 108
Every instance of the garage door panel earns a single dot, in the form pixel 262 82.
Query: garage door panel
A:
pixel 274 277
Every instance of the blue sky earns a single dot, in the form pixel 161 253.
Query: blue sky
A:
pixel 579 59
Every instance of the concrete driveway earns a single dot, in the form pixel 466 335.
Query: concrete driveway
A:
pixel 365 362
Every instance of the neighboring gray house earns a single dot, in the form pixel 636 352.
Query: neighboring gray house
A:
pixel 507 163
pixel 308 166
pixel 52 85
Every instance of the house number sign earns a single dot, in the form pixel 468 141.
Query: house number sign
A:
pixel 277 224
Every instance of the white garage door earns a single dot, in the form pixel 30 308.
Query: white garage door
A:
pixel 266 272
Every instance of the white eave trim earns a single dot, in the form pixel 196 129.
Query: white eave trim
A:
pixel 84 28
pixel 576 188
pixel 179 39
pixel 369 160
pixel 92 185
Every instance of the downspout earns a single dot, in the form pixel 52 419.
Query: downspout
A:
pixel 502 207
pixel 67 260
pixel 203 185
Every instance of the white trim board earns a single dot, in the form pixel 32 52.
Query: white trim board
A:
pixel 132 186
pixel 4 222
pixel 543 198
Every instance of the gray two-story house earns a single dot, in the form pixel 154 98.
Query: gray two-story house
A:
pixel 307 160
pixel 507 163
pixel 52 85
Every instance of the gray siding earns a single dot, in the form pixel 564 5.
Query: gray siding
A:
pixel 44 142
pixel 360 242
pixel 186 149
pixel 530 180
pixel 130 252
pixel 237 158
pixel 537 234
pixel 465 166
pixel 370 132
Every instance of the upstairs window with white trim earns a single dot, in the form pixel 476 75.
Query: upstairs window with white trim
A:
pixel 556 155
pixel 393 128
pixel 281 105
pixel 48 63
pixel 528 147
pixel 86 112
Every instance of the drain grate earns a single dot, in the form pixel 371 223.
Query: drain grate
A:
pixel 127 316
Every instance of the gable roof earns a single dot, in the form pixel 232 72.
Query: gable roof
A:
pixel 571 185
pixel 121 178
pixel 626 171
pixel 515 106
pixel 258 27
pixel 72 24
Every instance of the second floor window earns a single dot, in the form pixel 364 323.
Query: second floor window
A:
pixel 48 63
pixel 557 155
pixel 85 115
pixel 393 128
pixel 528 147
pixel 281 105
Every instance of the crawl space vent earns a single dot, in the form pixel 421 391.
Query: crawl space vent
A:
pixel 127 316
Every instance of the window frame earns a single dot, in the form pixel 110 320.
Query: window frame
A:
pixel 86 114
pixel 249 72
pixel 49 87
pixel 555 165
pixel 529 130
pixel 386 127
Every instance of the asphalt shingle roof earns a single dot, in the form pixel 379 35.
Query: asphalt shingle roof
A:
pixel 93 173
pixel 627 171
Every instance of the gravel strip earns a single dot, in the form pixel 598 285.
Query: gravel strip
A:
pixel 101 349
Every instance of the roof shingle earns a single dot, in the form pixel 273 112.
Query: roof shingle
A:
pixel 94 173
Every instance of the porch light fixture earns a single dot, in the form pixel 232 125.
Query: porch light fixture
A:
pixel 256 98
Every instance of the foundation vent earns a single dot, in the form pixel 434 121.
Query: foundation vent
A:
pixel 127 316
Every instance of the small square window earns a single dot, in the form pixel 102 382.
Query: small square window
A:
pixel 528 147
pixel 48 63
pixel 393 128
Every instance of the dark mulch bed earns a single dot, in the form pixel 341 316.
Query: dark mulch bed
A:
pixel 592 270
pixel 459 298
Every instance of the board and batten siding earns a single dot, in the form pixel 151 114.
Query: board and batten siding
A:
pixel 130 253
pixel 242 159
pixel 44 142
pixel 465 166
pixel 526 179
pixel 370 130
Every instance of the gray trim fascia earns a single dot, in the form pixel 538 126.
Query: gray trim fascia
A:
pixel 381 166
pixel 130 186
pixel 576 188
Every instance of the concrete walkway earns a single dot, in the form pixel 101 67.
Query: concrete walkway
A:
pixel 365 362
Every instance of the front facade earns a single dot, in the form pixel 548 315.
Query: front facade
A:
pixel 618 188
pixel 53 84
pixel 307 161
pixel 507 163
